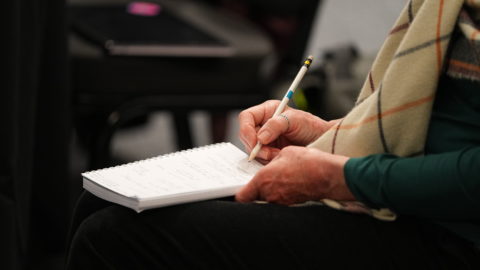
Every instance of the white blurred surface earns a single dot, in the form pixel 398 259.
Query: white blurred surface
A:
pixel 157 136
pixel 364 23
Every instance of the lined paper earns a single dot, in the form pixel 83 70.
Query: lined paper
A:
pixel 200 169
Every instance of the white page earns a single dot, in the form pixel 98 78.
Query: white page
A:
pixel 205 168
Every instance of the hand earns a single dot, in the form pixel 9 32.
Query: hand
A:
pixel 301 128
pixel 296 175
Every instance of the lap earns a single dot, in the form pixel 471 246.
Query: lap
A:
pixel 230 235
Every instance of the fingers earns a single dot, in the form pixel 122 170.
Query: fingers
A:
pixel 261 182
pixel 253 117
pixel 248 193
pixel 247 133
pixel 273 128
pixel 248 120
pixel 267 153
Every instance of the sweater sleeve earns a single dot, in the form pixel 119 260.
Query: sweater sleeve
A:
pixel 442 186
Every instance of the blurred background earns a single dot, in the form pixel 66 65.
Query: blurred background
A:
pixel 96 83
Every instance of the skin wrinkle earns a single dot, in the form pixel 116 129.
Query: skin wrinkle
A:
pixel 284 153
pixel 279 129
pixel 300 173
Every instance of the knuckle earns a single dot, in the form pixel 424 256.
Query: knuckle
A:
pixel 268 154
pixel 242 114
pixel 288 149
pixel 278 198
pixel 264 184
pixel 276 122
pixel 244 129
pixel 271 198
pixel 273 125
pixel 271 102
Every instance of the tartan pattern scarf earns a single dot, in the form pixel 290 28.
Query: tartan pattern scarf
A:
pixel 393 108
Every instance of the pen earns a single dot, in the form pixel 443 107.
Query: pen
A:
pixel 285 99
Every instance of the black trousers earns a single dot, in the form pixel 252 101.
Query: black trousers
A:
pixel 223 234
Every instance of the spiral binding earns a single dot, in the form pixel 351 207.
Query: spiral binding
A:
pixel 181 152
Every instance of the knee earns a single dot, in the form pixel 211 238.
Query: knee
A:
pixel 107 225
pixel 98 237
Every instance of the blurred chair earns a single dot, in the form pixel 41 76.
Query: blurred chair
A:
pixel 112 90
pixel 288 24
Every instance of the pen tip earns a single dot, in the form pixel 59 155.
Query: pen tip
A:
pixel 310 57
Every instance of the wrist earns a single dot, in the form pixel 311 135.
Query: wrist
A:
pixel 320 126
pixel 335 173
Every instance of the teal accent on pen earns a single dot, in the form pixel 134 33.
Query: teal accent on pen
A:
pixel 289 94
pixel 285 100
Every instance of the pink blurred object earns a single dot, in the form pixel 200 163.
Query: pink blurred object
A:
pixel 143 8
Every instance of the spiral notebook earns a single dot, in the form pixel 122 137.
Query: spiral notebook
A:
pixel 208 172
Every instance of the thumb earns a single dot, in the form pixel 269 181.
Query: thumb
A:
pixel 272 129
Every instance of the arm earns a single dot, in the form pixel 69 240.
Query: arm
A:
pixel 442 186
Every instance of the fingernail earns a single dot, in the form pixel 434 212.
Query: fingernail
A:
pixel 264 136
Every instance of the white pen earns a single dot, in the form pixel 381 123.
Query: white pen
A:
pixel 285 99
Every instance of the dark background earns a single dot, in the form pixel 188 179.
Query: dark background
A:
pixel 36 194
pixel 36 131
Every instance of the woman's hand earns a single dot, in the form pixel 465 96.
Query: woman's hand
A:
pixel 298 128
pixel 296 175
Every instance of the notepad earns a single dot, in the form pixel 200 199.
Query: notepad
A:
pixel 208 172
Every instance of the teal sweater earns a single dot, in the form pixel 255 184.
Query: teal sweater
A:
pixel 442 186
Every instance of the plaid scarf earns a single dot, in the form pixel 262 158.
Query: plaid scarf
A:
pixel 393 108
